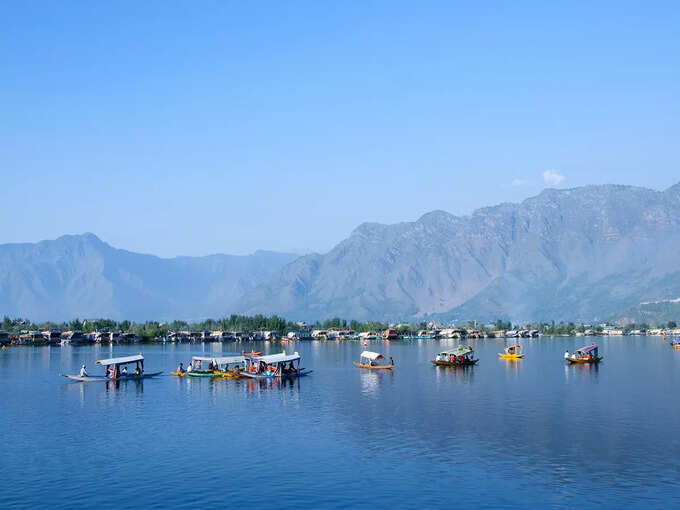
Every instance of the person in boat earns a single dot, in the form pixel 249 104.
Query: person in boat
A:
pixel 566 354
pixel 109 372
pixel 83 371
pixel 137 372
pixel 180 368
pixel 391 361
pixel 291 368
pixel 124 371
pixel 190 367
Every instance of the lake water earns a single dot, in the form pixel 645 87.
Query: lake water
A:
pixel 501 434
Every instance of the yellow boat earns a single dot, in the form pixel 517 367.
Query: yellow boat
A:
pixel 512 352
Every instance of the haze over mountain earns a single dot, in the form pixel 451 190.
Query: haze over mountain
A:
pixel 586 253
pixel 82 276
pixel 574 254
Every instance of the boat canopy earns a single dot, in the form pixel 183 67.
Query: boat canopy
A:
pixel 371 355
pixel 120 361
pixel 221 360
pixel 588 349
pixel 278 358
pixel 228 360
pixel 458 351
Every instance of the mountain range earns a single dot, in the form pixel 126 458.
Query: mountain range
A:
pixel 82 276
pixel 574 254
pixel 587 253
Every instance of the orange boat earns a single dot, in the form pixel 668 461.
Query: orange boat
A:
pixel 252 353
pixel 369 360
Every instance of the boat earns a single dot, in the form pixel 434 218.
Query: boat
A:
pixel 369 360
pixel 512 352
pixel 228 367
pixel 113 370
pixel 252 353
pixel 274 366
pixel 587 354
pixel 461 356
pixel 675 344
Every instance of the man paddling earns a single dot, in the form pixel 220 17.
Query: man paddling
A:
pixel 83 371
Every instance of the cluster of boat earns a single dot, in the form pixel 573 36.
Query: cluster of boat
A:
pixel 254 365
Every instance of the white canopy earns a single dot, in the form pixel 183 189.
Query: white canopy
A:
pixel 278 358
pixel 223 360
pixel 120 361
pixel 228 360
pixel 371 355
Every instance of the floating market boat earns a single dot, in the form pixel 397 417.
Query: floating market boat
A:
pixel 370 360
pixel 512 352
pixel 588 354
pixel 461 356
pixel 114 370
pixel 274 366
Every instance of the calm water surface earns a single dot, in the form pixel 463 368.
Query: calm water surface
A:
pixel 501 434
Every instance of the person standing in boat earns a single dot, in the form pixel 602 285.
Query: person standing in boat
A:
pixel 391 361
pixel 83 371
pixel 566 354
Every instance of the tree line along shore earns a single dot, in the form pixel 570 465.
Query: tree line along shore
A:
pixel 261 327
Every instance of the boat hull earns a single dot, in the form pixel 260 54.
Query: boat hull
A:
pixel 373 367
pixel 301 373
pixel 454 363
pixel 575 361
pixel 202 374
pixel 510 356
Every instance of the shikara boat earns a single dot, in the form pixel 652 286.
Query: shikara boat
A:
pixel 274 366
pixel 512 352
pixel 588 354
pixel 370 361
pixel 114 370
pixel 461 356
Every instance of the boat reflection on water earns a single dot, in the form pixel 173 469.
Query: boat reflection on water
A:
pixel 371 380
pixel 253 386
pixel 582 369
pixel 458 374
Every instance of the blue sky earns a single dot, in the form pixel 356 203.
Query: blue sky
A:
pixel 202 127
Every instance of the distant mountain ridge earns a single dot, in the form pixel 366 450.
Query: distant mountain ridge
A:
pixel 82 276
pixel 573 254
pixel 588 253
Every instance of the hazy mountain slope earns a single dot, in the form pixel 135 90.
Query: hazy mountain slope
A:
pixel 578 253
pixel 85 277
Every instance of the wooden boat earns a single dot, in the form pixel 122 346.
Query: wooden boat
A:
pixel 179 374
pixel 512 352
pixel 274 366
pixel 252 353
pixel 460 356
pixel 588 354
pixel 369 361
pixel 675 344
pixel 114 372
